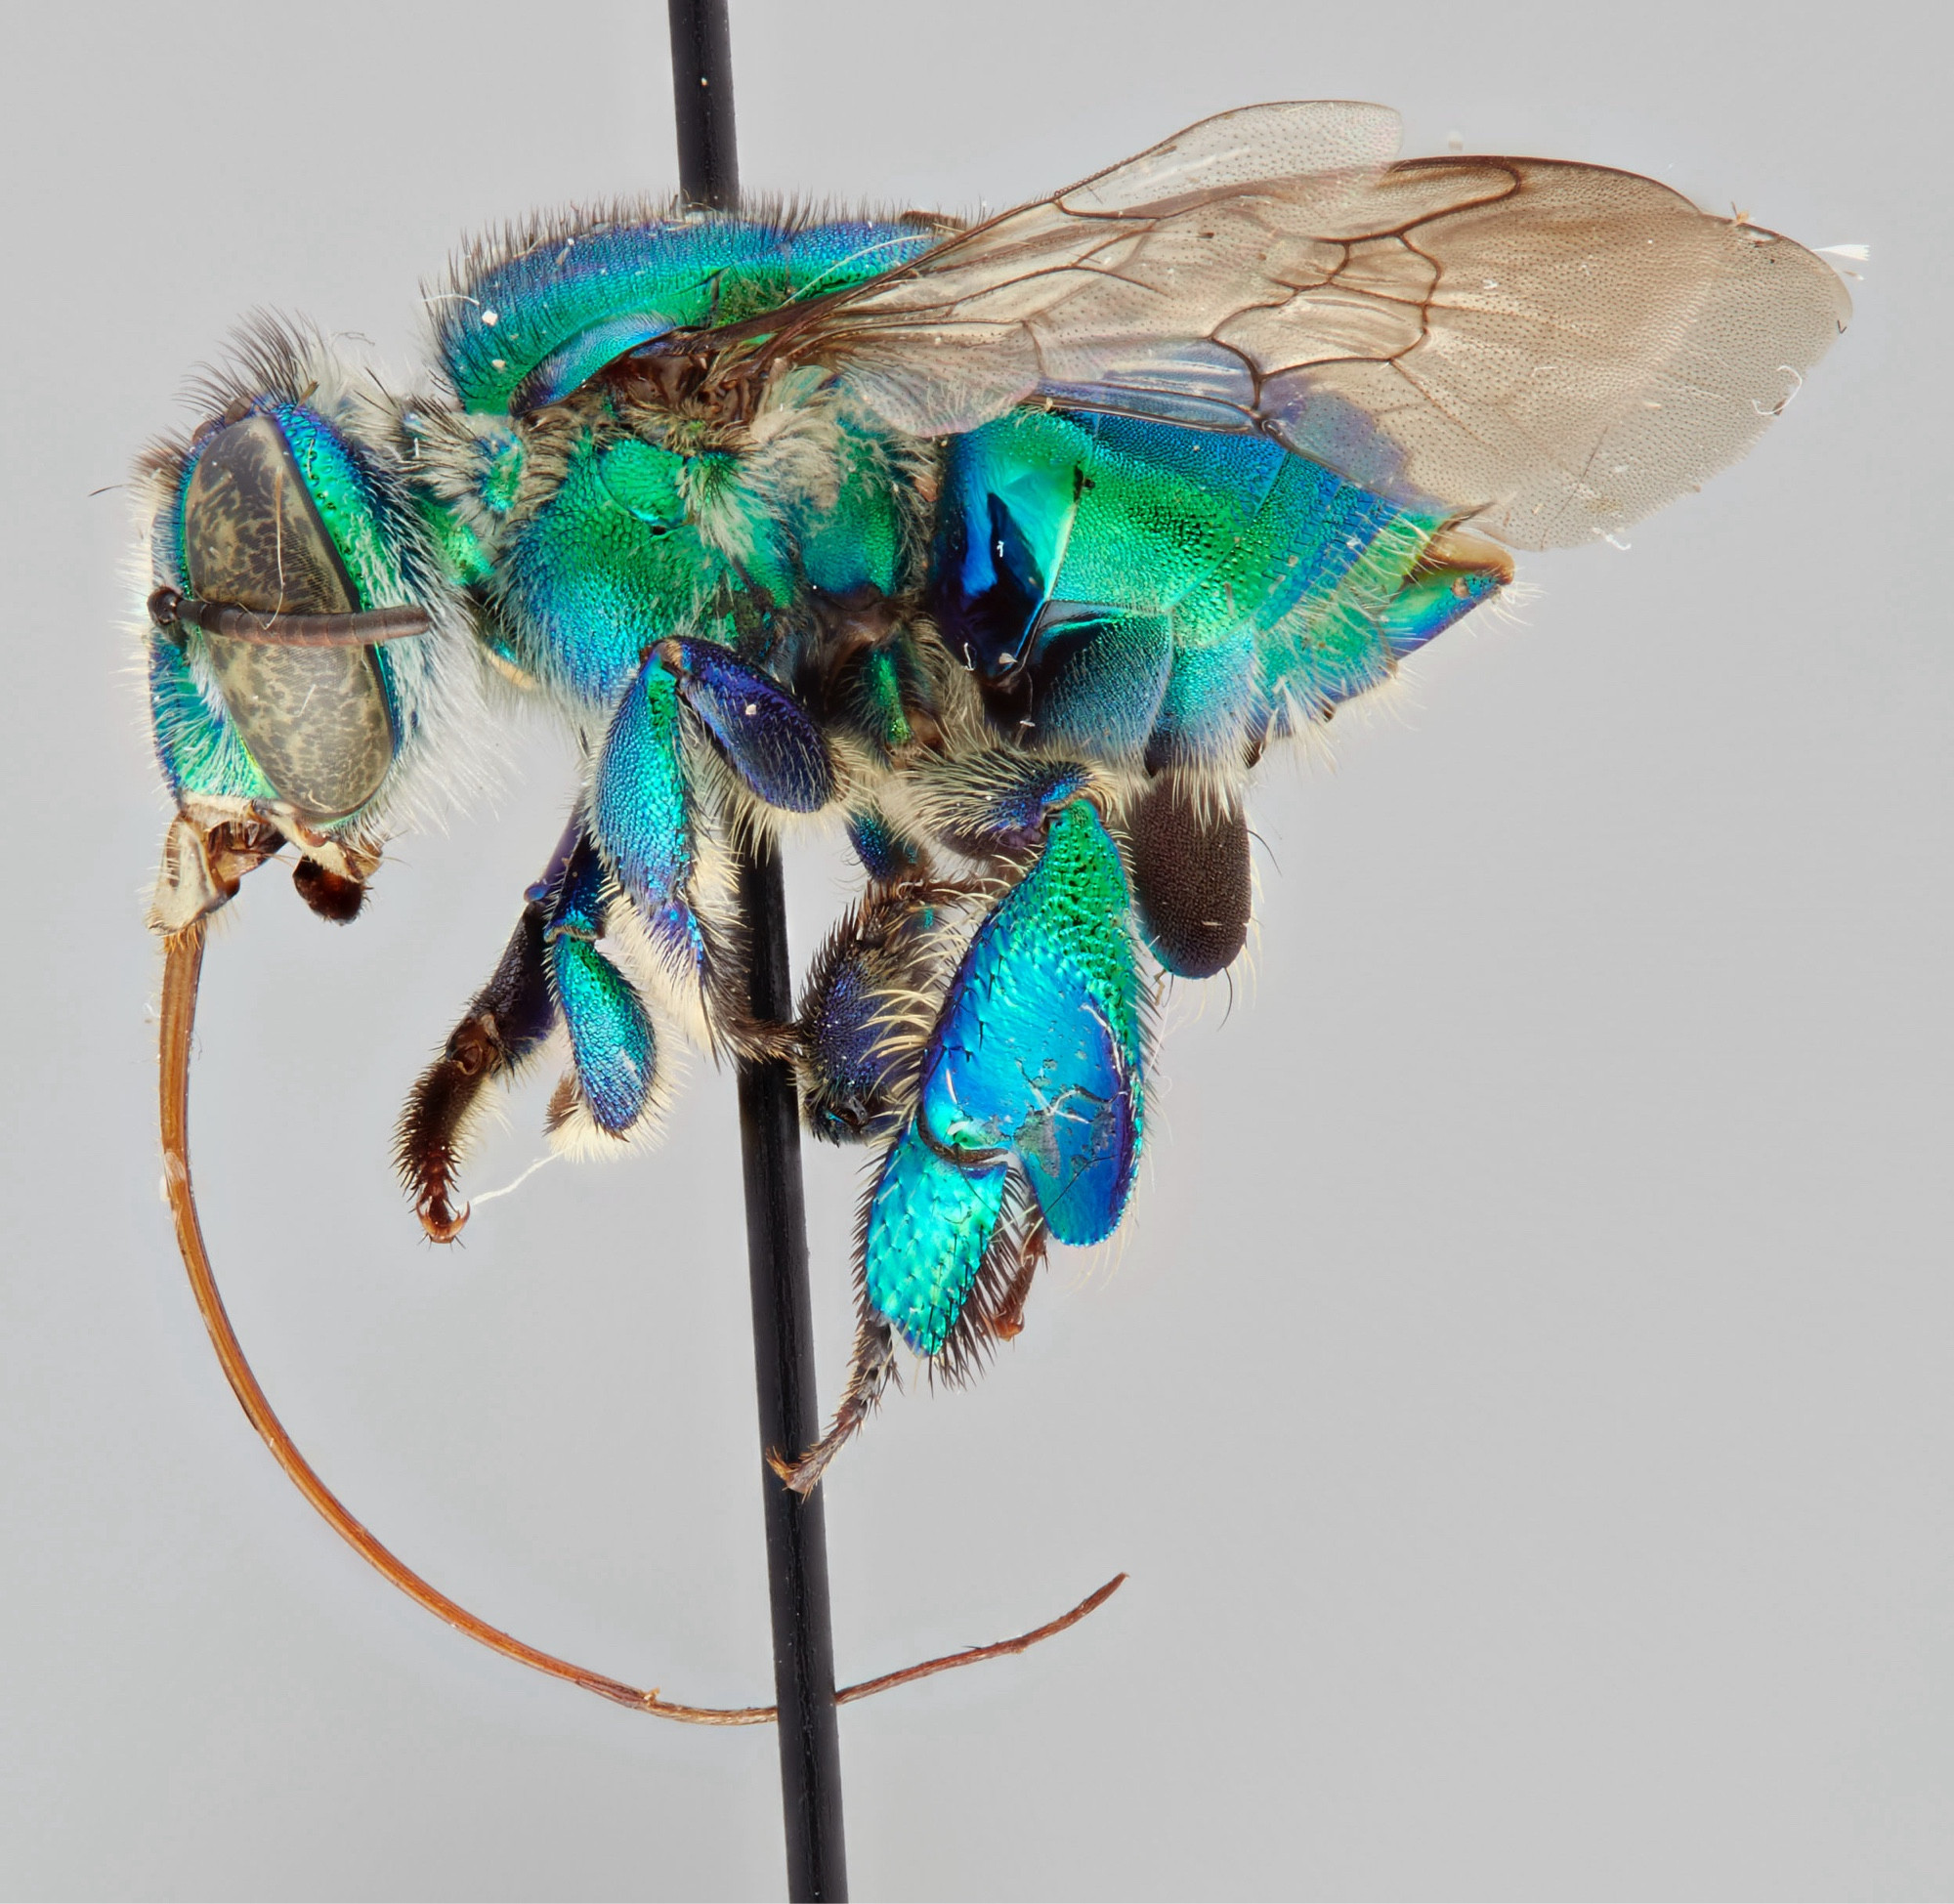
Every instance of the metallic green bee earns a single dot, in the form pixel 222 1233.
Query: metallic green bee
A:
pixel 1010 549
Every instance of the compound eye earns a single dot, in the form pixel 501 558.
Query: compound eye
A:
pixel 315 719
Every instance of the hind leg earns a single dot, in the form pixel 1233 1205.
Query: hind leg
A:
pixel 871 1369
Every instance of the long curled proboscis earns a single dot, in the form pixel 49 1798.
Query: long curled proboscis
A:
pixel 183 969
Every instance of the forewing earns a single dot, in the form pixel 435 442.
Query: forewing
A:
pixel 1552 349
pixel 1590 347
pixel 975 324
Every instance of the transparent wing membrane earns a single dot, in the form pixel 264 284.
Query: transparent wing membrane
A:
pixel 1551 350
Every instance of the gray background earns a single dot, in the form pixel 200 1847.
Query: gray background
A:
pixel 1519 1395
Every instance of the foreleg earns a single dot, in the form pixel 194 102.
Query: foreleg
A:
pixel 506 1023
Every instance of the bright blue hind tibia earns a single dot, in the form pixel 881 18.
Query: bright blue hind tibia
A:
pixel 642 806
pixel 1027 1121
pixel 612 1087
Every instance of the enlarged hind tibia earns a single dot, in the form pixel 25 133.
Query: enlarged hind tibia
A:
pixel 1027 1124
pixel 1039 1052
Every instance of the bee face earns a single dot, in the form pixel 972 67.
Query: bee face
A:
pixel 315 719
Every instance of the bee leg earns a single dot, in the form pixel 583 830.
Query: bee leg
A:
pixel 767 737
pixel 946 1257
pixel 886 855
pixel 642 819
pixel 612 1089
pixel 1027 1119
pixel 928 1222
pixel 646 822
pixel 927 1227
pixel 870 996
pixel 870 678
pixel 996 801
pixel 1452 577
pixel 888 702
pixel 505 1025
pixel 871 1369
pixel 1004 1317
pixel 963 1261
pixel 1039 1052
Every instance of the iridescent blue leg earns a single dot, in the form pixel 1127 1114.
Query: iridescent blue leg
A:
pixel 614 1051
pixel 886 856
pixel 641 809
pixel 765 733
pixel 942 1248
pixel 1033 1073
pixel 641 815
pixel 1039 1052
pixel 930 1219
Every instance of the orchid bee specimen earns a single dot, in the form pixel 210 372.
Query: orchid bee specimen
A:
pixel 1009 549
